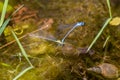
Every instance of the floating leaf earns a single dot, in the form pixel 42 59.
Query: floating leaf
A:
pixel 115 21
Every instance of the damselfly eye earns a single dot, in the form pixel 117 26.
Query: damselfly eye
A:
pixel 80 24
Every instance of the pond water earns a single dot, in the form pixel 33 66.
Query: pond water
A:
pixel 55 46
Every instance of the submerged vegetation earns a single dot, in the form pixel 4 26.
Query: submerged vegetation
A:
pixel 59 40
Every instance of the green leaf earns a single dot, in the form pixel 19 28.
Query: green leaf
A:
pixel 4 25
pixel 3 12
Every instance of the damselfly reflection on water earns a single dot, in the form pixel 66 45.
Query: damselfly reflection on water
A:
pixel 44 35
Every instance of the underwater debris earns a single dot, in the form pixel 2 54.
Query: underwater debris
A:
pixel 68 50
pixel 47 22
pixel 71 50
pixel 84 51
pixel 23 14
pixel 106 69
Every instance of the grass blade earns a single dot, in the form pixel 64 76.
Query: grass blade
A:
pixel 21 73
pixel 100 32
pixel 110 13
pixel 3 12
pixel 24 54
pixel 21 48
pixel 4 25
pixel 106 41
pixel 17 9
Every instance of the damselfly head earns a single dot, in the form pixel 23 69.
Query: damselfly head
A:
pixel 80 24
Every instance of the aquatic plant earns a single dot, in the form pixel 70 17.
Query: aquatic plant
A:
pixel 3 25
pixel 24 54
pixel 3 12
